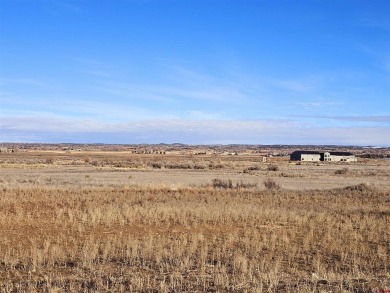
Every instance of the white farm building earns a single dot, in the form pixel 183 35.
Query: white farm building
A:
pixel 315 156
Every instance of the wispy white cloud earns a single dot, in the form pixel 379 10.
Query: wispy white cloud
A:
pixel 184 82
pixel 383 118
pixel 345 121
pixel 70 109
pixel 375 23
pixel 133 92
pixel 192 86
pixel 318 104
pixel 303 85
pixel 21 81
pixel 189 131
pixel 385 60
pixel 88 61
pixel 87 125
pixel 379 53
pixel 178 93
pixel 98 73
pixel 203 115
pixel 211 93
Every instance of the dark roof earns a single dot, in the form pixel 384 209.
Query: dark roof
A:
pixel 341 153
pixel 307 152
pixel 319 153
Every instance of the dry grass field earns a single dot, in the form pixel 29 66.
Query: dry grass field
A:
pixel 121 222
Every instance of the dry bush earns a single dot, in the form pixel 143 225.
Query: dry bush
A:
pixel 155 165
pixel 254 168
pixel 288 175
pixel 199 167
pixel 251 168
pixel 271 184
pixel 49 161
pixel 360 188
pixel 342 171
pixel 174 165
pixel 178 166
pixel 228 184
pixel 273 168
pixel 220 183
pixel 216 166
pixel 245 185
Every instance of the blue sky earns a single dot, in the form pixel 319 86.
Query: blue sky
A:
pixel 198 72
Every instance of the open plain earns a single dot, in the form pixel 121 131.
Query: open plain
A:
pixel 117 220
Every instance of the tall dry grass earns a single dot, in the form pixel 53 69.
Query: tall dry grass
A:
pixel 194 240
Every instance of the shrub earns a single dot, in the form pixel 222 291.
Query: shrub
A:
pixel 270 184
pixel 273 168
pixel 228 184
pixel 49 161
pixel 198 167
pixel 245 185
pixel 217 166
pixel 219 183
pixel 253 168
pixel 178 166
pixel 156 165
pixel 362 187
pixel 341 171
pixel 119 165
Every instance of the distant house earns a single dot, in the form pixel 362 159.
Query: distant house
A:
pixel 316 156
pixel 310 156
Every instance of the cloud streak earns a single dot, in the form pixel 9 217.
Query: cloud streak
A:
pixel 188 131
pixel 379 119
pixel 21 81
pixel 317 105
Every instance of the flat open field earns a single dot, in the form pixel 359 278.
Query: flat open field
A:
pixel 124 169
pixel 87 221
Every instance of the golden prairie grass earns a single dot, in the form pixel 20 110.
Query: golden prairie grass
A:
pixel 198 239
